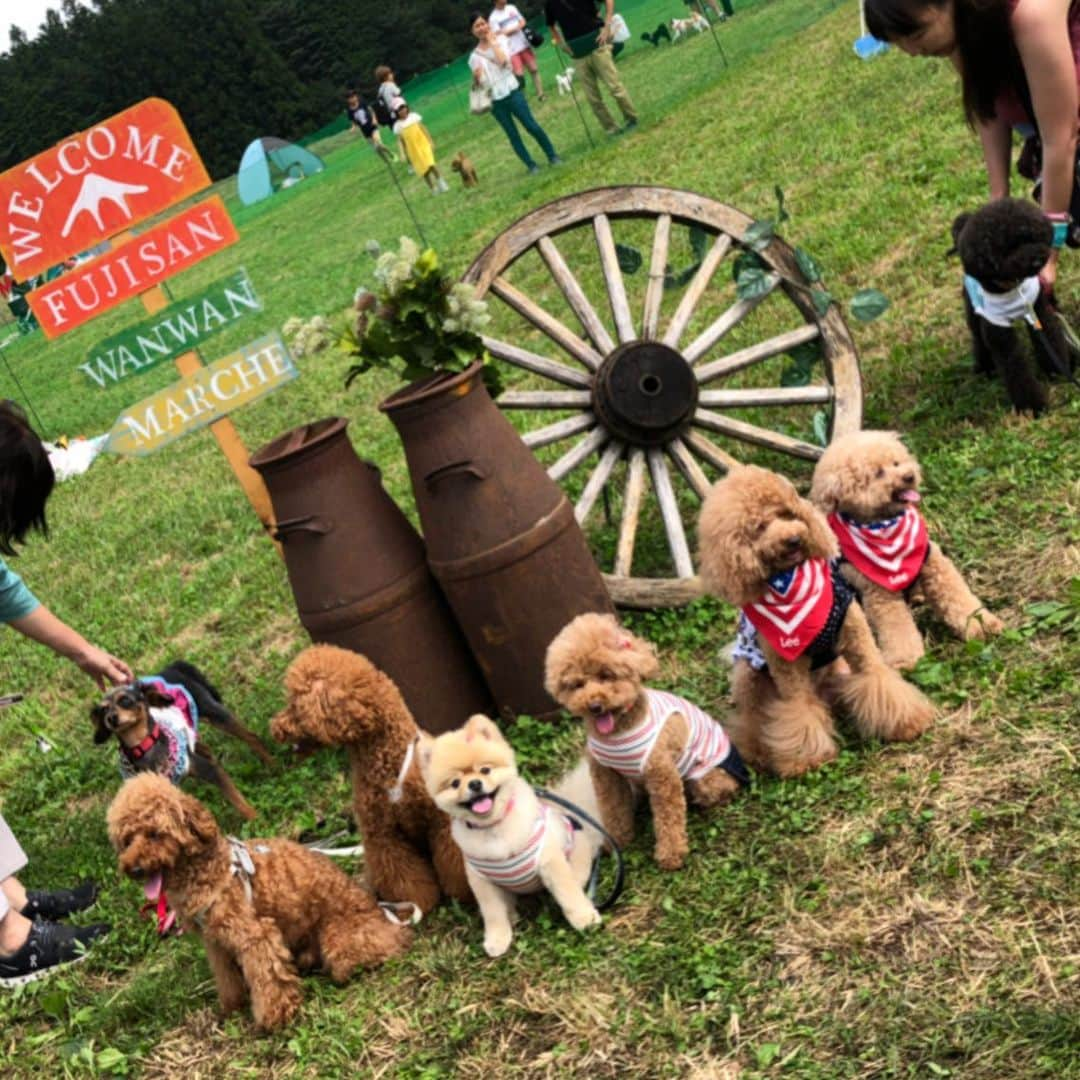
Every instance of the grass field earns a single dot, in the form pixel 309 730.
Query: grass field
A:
pixel 906 911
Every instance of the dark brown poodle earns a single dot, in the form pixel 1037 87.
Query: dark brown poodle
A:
pixel 1003 246
pixel 339 698
pixel 265 909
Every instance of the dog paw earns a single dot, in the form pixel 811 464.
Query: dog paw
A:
pixel 497 942
pixel 277 1011
pixel 982 624
pixel 581 918
pixel 672 858
pixel 902 661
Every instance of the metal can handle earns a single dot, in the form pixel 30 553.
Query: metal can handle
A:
pixel 455 468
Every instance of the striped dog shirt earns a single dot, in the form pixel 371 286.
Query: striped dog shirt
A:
pixel 520 872
pixel 707 747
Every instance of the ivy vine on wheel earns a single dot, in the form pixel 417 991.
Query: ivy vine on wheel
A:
pixel 668 372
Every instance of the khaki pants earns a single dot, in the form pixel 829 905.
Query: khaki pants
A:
pixel 599 67
pixel 12 860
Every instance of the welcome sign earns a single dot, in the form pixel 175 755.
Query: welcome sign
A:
pixel 176 329
pixel 94 184
pixel 133 267
pixel 254 370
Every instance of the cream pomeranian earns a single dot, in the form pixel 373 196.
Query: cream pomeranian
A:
pixel 514 843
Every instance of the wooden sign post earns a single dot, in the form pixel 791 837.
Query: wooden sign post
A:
pixel 98 184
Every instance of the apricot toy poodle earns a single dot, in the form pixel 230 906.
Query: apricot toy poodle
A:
pixel 265 909
pixel 337 697
pixel 768 551
pixel 868 485
pixel 637 737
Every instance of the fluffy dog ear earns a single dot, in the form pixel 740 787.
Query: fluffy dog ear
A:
pixel 820 540
pixel 200 823
pixel 101 732
pixel 827 488
pixel 640 654
pixel 425 746
pixel 481 727
pixel 957 228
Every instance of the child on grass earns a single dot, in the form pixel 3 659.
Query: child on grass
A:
pixel 418 145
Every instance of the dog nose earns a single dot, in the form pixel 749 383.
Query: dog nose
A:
pixel 476 785
pixel 596 707
pixel 137 872
pixel 792 543
pixel 908 478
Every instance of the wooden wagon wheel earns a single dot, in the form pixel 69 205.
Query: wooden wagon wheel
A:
pixel 639 391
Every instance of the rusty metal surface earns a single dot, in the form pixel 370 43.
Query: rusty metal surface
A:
pixel 359 575
pixel 501 536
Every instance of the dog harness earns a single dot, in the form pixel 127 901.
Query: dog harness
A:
pixel 1003 309
pixel 241 864
pixel 890 553
pixel 808 625
pixel 520 872
pixel 178 724
pixel 707 746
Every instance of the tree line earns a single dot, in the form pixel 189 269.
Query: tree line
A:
pixel 235 69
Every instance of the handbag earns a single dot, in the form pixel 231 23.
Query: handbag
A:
pixel 534 39
pixel 479 100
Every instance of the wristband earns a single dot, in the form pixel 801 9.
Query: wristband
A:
pixel 1061 233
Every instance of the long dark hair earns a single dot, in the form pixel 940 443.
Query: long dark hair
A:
pixel 26 478
pixel 989 61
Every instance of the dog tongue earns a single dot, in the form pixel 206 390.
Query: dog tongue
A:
pixel 152 888
pixel 483 806
pixel 605 723
pixel 910 496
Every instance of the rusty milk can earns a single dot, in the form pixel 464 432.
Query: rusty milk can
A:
pixel 359 575
pixel 501 536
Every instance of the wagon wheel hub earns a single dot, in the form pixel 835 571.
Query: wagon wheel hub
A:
pixel 645 393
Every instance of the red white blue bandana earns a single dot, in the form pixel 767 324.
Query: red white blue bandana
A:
pixel 795 608
pixel 890 553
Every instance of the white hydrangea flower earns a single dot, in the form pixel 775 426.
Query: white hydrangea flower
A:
pixel 292 326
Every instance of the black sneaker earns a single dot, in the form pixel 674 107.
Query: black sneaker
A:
pixel 49 946
pixel 59 903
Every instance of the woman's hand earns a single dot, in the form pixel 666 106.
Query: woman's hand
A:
pixel 102 666
pixel 1048 275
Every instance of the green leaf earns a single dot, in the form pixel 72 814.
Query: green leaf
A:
pixel 781 214
pixel 808 265
pixel 699 241
pixel 745 260
pixel 821 427
pixel 822 299
pixel 111 1059
pixel 796 373
pixel 629 258
pixel 766 1054
pixel 752 284
pixel 868 304
pixel 760 234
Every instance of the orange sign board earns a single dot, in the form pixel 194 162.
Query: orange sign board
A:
pixel 133 267
pixel 94 184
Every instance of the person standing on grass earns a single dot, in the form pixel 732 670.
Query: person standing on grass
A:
pixel 505 19
pixel 578 30
pixel 386 92
pixel 32 943
pixel 362 118
pixel 418 145
pixel 491 67
pixel 1019 66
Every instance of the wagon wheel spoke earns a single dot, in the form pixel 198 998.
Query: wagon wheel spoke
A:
pixel 631 512
pixel 783 395
pixel 751 433
pixel 578 453
pixel 545 399
pixel 732 317
pixel 597 480
pixel 547 323
pixel 690 469
pixel 695 290
pixel 609 262
pixel 531 361
pixel 575 295
pixel 561 429
pixel 754 354
pixel 654 292
pixel 669 511
pixel 708 451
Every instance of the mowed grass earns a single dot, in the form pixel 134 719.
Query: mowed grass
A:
pixel 907 911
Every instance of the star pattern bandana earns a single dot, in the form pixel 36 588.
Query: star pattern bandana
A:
pixel 890 553
pixel 795 608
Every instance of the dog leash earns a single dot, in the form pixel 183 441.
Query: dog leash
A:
pixel 616 851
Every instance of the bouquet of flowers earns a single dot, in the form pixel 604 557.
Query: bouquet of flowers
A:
pixel 417 322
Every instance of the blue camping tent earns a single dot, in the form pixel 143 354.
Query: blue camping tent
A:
pixel 255 177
